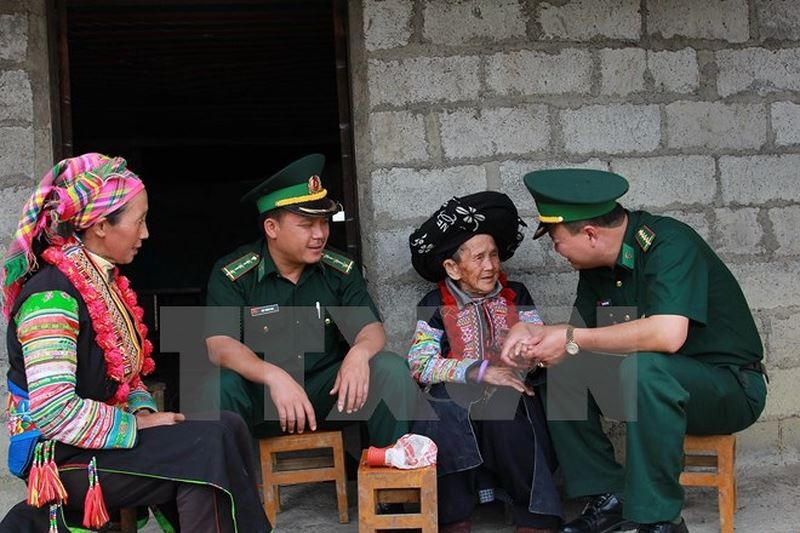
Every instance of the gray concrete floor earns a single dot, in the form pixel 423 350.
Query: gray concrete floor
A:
pixel 768 502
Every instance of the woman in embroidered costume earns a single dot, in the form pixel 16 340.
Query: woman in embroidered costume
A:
pixel 491 430
pixel 85 432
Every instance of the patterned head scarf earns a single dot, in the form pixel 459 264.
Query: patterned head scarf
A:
pixel 79 190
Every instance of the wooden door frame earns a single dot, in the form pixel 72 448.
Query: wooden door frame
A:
pixel 61 103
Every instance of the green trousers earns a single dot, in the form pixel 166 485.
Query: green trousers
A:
pixel 389 406
pixel 673 395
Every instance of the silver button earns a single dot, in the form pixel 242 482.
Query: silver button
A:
pixel 619 283
pixel 266 329
pixel 327 321
pixel 627 317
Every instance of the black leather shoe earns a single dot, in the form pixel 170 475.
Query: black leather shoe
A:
pixel 663 527
pixel 603 514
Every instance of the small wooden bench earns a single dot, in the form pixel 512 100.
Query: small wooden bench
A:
pixel 379 484
pixel 279 468
pixel 701 454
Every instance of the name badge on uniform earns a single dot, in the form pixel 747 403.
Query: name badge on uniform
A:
pixel 264 310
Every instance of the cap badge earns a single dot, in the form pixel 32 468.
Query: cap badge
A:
pixel 314 184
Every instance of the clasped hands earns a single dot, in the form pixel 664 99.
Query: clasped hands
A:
pixel 530 345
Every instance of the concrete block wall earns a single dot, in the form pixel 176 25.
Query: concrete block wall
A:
pixel 697 103
pixel 25 148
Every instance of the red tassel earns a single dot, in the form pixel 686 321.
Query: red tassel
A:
pixel 34 488
pixel 95 514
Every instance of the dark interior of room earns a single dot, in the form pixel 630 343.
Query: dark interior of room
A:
pixel 204 99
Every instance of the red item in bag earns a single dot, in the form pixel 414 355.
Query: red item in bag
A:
pixel 410 451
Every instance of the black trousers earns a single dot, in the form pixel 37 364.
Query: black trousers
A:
pixel 506 447
pixel 189 507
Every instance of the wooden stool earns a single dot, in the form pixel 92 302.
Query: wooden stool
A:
pixel 380 484
pixel 277 471
pixel 713 451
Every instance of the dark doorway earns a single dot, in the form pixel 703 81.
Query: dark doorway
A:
pixel 204 99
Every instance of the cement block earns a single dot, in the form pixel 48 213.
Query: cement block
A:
pixel 387 23
pixel 13 199
pixel 424 79
pixel 786 123
pixel 778 19
pixel 393 256
pixel 622 71
pixel 697 221
pixel 13 37
pixel 398 305
pixel 451 23
pixel 758 443
pixel 16 151
pixel 530 254
pixel 553 293
pixel 526 72
pixel 714 125
pixel 405 193
pixel 675 72
pixel 662 181
pixel 759 70
pixel 616 128
pixel 785 222
pixel 582 20
pixel 398 137
pixel 739 231
pixel 783 342
pixel 758 179
pixel 712 19
pixel 489 132
pixel 16 98
pixel 790 439
pixel 782 400
pixel 511 173
pixel 769 286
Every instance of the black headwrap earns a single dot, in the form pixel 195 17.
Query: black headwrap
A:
pixel 457 221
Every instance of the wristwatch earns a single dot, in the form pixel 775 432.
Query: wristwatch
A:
pixel 572 347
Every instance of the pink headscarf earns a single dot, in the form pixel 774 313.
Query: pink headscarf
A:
pixel 79 190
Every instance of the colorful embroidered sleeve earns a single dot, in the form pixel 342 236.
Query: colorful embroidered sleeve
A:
pixel 47 328
pixel 140 398
pixel 426 361
pixel 530 316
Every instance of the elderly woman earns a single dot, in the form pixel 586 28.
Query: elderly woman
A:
pixel 79 415
pixel 491 432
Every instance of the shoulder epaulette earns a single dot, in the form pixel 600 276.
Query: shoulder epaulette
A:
pixel 241 266
pixel 645 237
pixel 340 262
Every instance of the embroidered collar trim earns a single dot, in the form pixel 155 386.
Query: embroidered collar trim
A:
pixel 122 365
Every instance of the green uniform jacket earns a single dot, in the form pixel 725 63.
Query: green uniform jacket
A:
pixel 302 327
pixel 665 267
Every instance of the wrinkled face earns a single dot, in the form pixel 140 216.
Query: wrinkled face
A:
pixel 298 239
pixel 476 266
pixel 576 248
pixel 121 242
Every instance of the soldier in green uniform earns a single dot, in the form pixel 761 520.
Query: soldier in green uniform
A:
pixel 693 363
pixel 306 310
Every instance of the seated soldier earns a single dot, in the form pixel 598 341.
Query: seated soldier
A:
pixel 491 430
pixel 302 299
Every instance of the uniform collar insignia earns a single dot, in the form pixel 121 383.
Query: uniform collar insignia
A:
pixel 645 237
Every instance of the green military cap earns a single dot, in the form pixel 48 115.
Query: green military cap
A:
pixel 572 194
pixel 297 188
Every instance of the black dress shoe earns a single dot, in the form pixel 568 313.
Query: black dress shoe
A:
pixel 602 514
pixel 663 527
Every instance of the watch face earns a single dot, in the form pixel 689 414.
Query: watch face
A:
pixel 572 348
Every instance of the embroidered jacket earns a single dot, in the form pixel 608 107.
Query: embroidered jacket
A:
pixel 482 324
pixel 55 357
